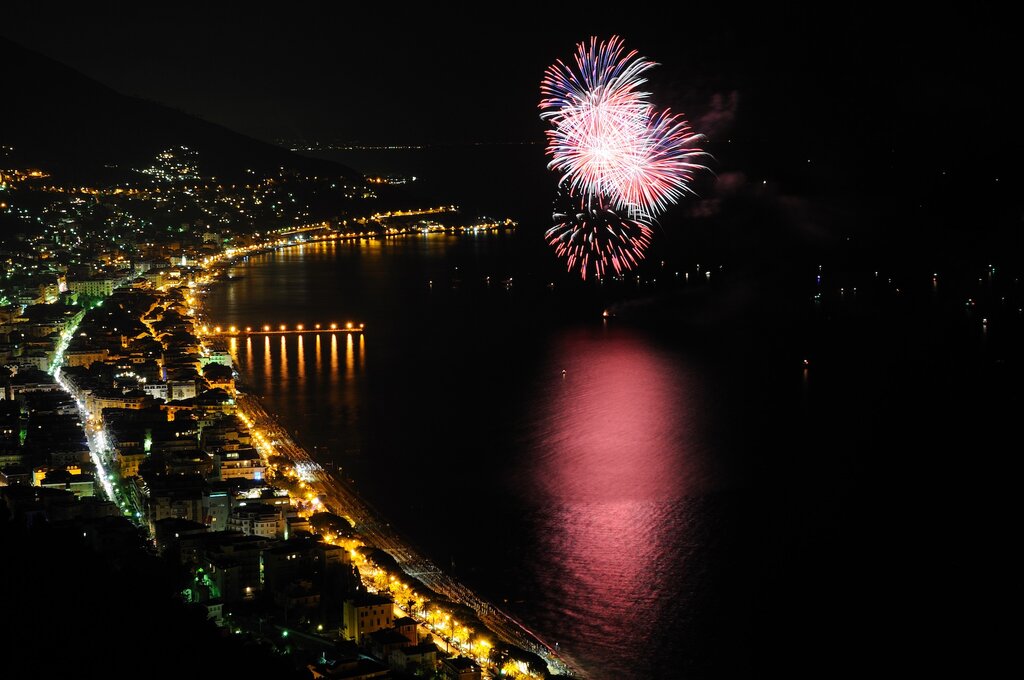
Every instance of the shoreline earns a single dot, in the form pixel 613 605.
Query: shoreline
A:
pixel 370 524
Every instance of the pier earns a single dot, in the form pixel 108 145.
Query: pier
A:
pixel 283 329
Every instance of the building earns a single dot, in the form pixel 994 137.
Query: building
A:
pixel 96 286
pixel 366 614
pixel 218 510
pixel 217 357
pixel 258 520
pixel 354 668
pixel 172 390
pixel 224 433
pixel 460 668
pixel 188 462
pixel 407 626
pixel 85 357
pixel 235 567
pixel 215 610
pixel 37 360
pixel 157 390
pixel 241 464
pixel 219 376
pixel 183 503
pixel 423 655
pixel 81 485
pixel 95 402
pixel 28 381
pixel 383 642
pixel 128 461
pixel 10 424
pixel 287 563
pixel 181 389
pixel 297 596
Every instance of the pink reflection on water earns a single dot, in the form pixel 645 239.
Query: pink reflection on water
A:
pixel 617 454
pixel 618 423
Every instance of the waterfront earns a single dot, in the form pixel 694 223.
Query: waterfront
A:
pixel 674 504
pixel 563 497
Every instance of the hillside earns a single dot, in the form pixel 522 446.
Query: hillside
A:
pixel 77 128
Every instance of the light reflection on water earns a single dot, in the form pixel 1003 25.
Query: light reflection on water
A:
pixel 614 456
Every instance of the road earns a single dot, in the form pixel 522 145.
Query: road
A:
pixel 344 500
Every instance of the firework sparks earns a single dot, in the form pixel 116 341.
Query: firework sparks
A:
pixel 660 169
pixel 594 238
pixel 598 116
pixel 624 162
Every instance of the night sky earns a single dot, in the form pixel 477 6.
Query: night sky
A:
pixel 845 82
pixel 906 130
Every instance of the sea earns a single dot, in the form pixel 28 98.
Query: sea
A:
pixel 703 471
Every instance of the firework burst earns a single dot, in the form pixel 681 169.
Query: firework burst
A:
pixel 621 161
pixel 658 169
pixel 594 237
pixel 598 115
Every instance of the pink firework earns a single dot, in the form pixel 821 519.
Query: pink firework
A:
pixel 658 170
pixel 597 114
pixel 607 140
pixel 602 72
pixel 593 237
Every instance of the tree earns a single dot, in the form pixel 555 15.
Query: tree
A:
pixel 329 523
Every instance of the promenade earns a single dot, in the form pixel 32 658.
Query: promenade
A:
pixel 343 500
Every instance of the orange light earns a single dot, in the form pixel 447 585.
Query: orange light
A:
pixel 233 329
pixel 216 329
pixel 282 326
pixel 334 326
pixel 248 329
pixel 299 326
pixel 266 328
pixel 362 325
pixel 348 325
pixel 318 326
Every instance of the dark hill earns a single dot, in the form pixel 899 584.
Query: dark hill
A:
pixel 77 128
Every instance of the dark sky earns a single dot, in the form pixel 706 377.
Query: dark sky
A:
pixel 322 71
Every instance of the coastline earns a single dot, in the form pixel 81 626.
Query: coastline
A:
pixel 342 499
